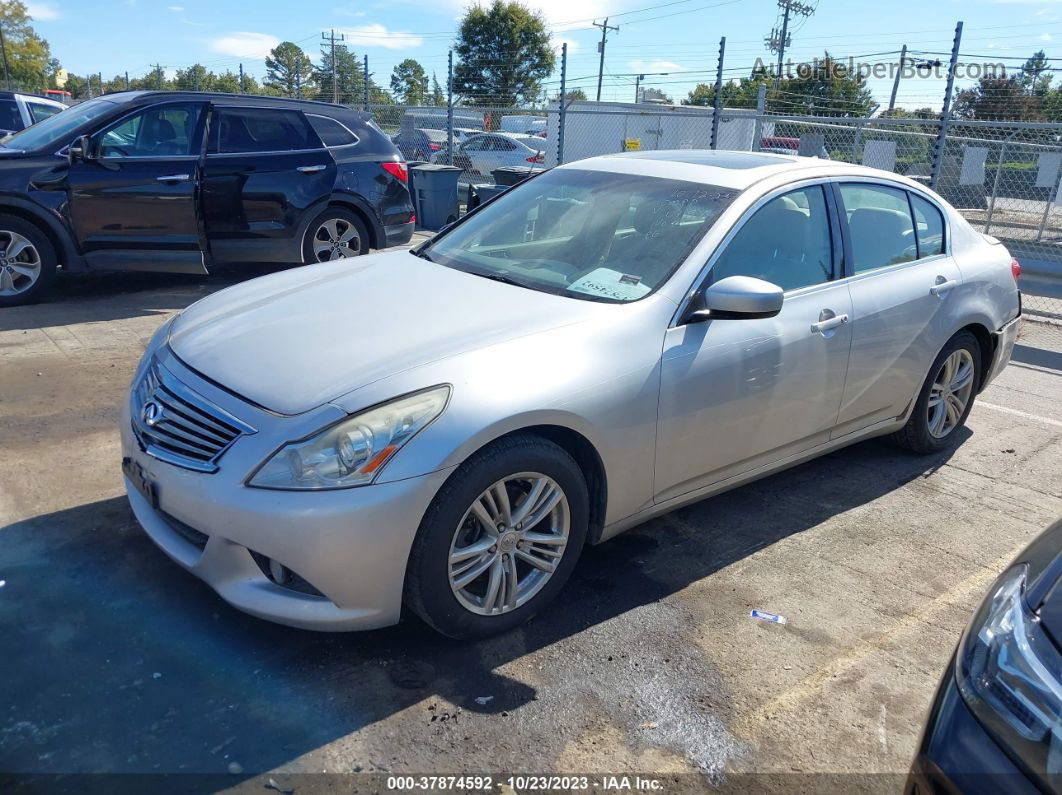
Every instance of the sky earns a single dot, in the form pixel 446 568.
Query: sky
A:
pixel 677 37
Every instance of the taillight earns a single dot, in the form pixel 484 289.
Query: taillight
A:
pixel 435 147
pixel 1015 268
pixel 539 158
pixel 396 170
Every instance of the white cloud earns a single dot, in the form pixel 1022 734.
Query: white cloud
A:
pixel 1044 37
pixel 43 12
pixel 178 9
pixel 376 35
pixel 244 44
pixel 656 66
pixel 573 46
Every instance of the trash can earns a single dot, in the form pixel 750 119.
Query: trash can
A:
pixel 477 194
pixel 511 175
pixel 435 195
pixel 410 164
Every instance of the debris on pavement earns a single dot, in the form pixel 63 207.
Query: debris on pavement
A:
pixel 771 617
pixel 484 699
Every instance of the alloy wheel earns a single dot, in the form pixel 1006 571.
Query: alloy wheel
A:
pixel 950 393
pixel 20 263
pixel 509 543
pixel 336 238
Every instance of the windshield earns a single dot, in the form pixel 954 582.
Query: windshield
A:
pixel 586 234
pixel 57 131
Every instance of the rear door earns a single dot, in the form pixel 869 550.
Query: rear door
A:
pixel 133 202
pixel 901 277
pixel 266 173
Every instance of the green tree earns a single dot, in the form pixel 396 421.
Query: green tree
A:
pixel 349 75
pixel 503 54
pixel 289 71
pixel 438 98
pixel 409 83
pixel 576 94
pixel 28 56
pixel 195 78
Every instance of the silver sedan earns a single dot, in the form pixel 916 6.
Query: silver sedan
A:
pixel 443 430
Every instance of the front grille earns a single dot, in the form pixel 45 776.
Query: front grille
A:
pixel 179 426
pixel 194 537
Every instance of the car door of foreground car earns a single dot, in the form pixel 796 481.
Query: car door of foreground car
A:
pixel 266 170
pixel 133 198
pixel 739 394
pixel 901 279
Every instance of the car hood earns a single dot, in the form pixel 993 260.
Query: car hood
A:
pixel 294 340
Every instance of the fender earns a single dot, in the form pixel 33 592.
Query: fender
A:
pixel 53 225
pixel 375 228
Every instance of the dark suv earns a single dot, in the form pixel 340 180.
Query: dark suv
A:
pixel 175 181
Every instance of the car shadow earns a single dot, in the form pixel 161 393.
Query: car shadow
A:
pixel 117 660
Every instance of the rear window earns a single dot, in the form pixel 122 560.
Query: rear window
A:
pixel 261 130
pixel 332 133
pixel 10 118
pixel 879 224
pixel 929 225
pixel 39 111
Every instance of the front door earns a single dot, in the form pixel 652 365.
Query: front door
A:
pixel 266 170
pixel 134 198
pixel 736 395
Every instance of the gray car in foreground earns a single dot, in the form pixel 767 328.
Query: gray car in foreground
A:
pixel 444 429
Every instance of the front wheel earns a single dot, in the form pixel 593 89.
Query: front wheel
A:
pixel 946 398
pixel 499 540
pixel 27 262
pixel 335 234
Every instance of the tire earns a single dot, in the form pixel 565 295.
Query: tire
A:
pixel 925 432
pixel 26 277
pixel 521 462
pixel 334 224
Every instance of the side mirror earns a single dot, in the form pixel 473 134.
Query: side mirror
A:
pixel 81 149
pixel 738 298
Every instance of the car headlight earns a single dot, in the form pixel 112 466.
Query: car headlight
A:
pixel 1008 673
pixel 352 452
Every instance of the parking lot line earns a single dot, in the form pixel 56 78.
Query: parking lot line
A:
pixel 1018 413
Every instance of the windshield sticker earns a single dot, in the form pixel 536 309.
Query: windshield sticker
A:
pixel 611 284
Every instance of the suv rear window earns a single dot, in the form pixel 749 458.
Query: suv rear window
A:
pixel 261 130
pixel 332 132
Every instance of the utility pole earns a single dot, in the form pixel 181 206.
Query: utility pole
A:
pixel 3 46
pixel 331 37
pixel 241 78
pixel 945 113
pixel 158 75
pixel 100 76
pixel 605 28
pixel 298 80
pixel 777 42
pixel 127 81
pixel 896 81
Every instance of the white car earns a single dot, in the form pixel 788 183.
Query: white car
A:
pixel 481 154
pixel 522 124
pixel 19 111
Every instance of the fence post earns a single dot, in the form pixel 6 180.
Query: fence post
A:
pixel 761 110
pixel 365 107
pixel 945 115
pixel 563 104
pixel 450 108
pixel 718 112
pixel 995 182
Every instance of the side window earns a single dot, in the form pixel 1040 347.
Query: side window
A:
pixel 10 118
pixel 158 131
pixel 879 224
pixel 505 145
pixel 473 145
pixel 331 132
pixel 929 225
pixel 261 130
pixel 787 242
pixel 39 111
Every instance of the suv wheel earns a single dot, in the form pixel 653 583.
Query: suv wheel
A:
pixel 499 540
pixel 335 234
pixel 27 262
pixel 946 397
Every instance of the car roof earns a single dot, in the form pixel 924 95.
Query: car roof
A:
pixel 726 169
pixel 257 100
pixel 13 94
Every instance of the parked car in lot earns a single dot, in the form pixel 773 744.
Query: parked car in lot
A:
pixel 604 342
pixel 19 111
pixel 420 143
pixel 481 154
pixel 175 181
pixel 996 721
pixel 522 124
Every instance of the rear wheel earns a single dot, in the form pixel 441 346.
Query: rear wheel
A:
pixel 946 398
pixel 27 262
pixel 335 234
pixel 499 540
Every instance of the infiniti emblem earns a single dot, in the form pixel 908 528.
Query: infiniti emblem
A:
pixel 151 413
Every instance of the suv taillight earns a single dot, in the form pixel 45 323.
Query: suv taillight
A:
pixel 1015 268
pixel 396 170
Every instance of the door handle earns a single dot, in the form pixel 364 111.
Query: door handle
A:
pixel 311 169
pixel 174 178
pixel 943 286
pixel 828 323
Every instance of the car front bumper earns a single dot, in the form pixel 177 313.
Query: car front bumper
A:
pixel 347 548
